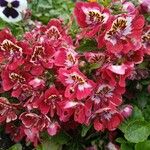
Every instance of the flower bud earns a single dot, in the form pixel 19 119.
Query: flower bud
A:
pixel 129 7
pixel 139 86
pixel 148 88
pixel 82 63
pixel 127 111
pixel 145 5
pixel 112 146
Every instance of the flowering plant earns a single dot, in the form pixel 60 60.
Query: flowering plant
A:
pixel 55 83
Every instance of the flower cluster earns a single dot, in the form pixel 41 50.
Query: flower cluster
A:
pixel 49 81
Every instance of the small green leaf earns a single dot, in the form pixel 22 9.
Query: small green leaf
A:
pixel 16 147
pixel 61 138
pixel 137 131
pixel 143 146
pixel 48 144
pixel 121 140
pixel 85 129
pixel 137 114
pixel 87 45
pixel 146 113
pixel 126 147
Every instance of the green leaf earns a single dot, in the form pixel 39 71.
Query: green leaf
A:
pixel 105 3
pixel 143 146
pixel 61 138
pixel 146 113
pixel 87 45
pixel 137 131
pixel 48 144
pixel 16 147
pixel 85 129
pixel 2 24
pixel 121 140
pixel 136 116
pixel 126 147
pixel 93 67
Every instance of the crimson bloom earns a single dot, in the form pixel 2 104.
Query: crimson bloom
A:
pixel 66 57
pixel 48 101
pixel 7 111
pixel 123 35
pixel 77 85
pixel 16 80
pixel 11 51
pixel 90 14
pixel 106 94
pixel 91 17
pixel 107 118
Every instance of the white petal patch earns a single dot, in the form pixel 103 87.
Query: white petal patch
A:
pixel 20 9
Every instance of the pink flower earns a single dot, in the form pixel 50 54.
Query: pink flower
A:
pixel 107 118
pixel 33 124
pixel 123 35
pixel 47 103
pixel 15 80
pixel 126 111
pixel 145 5
pixel 98 58
pixel 40 58
pixel 116 74
pixel 54 30
pixel 129 7
pixel 106 94
pixel 11 51
pixel 77 85
pixel 91 17
pixel 112 146
pixel 7 111
pixel 37 83
pixel 90 14
pixel 53 128
pixel 66 57
pixel 16 132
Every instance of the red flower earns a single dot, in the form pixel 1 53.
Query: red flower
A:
pixel 117 74
pixel 66 57
pixel 77 85
pixel 98 58
pixel 33 124
pixel 7 111
pixel 90 14
pixel 15 80
pixel 16 132
pixel 107 118
pixel 91 17
pixel 123 35
pixel 48 101
pixel 54 29
pixel 41 58
pixel 106 94
pixel 11 51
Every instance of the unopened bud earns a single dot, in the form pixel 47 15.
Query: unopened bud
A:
pixel 82 63
pixel 127 111
pixel 148 88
